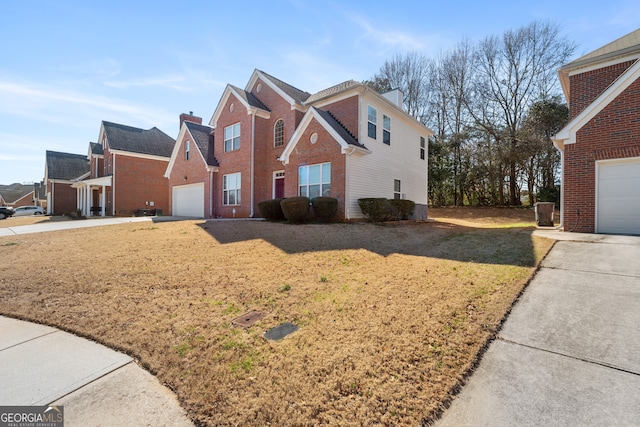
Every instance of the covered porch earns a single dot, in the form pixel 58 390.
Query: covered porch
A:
pixel 87 203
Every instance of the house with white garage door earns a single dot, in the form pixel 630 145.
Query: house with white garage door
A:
pixel 600 146
pixel 191 170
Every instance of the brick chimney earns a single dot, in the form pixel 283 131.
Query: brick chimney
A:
pixel 184 117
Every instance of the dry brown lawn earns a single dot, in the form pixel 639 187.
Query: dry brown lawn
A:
pixel 392 317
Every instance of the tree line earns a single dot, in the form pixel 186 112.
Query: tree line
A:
pixel 493 106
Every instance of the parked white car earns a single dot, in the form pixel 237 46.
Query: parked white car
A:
pixel 28 210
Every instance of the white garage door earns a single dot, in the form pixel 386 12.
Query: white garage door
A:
pixel 188 200
pixel 618 197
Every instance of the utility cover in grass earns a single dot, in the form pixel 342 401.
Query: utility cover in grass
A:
pixel 280 331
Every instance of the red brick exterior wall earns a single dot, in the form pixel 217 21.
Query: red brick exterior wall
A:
pixel 326 149
pixel 195 171
pixel 64 198
pixel 267 153
pixel 586 87
pixel 233 161
pixel 346 112
pixel 137 181
pixel 612 134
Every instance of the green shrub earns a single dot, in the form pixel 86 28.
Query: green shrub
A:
pixel 376 209
pixel 271 210
pixel 402 208
pixel 325 208
pixel 295 209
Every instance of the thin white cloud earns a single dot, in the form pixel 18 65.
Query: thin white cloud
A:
pixel 175 82
pixel 67 106
pixel 387 37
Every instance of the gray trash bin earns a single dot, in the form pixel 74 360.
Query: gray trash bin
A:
pixel 544 213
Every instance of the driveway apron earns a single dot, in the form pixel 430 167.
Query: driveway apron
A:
pixel 569 352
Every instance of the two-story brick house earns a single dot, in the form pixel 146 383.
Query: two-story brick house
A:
pixel 273 140
pixel 127 165
pixel 600 146
pixel 191 170
pixel 61 172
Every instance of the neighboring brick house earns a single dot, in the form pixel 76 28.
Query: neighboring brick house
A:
pixel 126 172
pixel 274 140
pixel 61 172
pixel 15 195
pixel 600 145
pixel 191 170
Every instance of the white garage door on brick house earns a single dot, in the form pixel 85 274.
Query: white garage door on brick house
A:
pixel 618 196
pixel 188 200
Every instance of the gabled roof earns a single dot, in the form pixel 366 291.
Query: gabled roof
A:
pixel 96 149
pixel 568 134
pixel 249 98
pixel 625 48
pixel 348 143
pixel 298 95
pixel 14 192
pixel 339 128
pixel 204 140
pixel 126 138
pixel 65 166
pixel 333 90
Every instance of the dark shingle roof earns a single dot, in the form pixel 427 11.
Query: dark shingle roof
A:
pixel 14 192
pixel 96 149
pixel 250 98
pixel 204 140
pixel 332 91
pixel 65 165
pixel 298 95
pixel 338 127
pixel 126 138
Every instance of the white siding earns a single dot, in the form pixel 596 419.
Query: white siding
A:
pixel 372 175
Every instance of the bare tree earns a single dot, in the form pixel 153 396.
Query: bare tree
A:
pixel 514 71
pixel 411 74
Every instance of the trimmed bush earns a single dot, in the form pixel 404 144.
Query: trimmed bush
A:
pixel 402 208
pixel 376 209
pixel 325 208
pixel 295 209
pixel 271 210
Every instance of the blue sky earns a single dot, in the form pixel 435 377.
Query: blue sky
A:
pixel 67 65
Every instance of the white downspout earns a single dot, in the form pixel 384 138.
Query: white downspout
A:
pixel 347 192
pixel 211 194
pixel 253 132
pixel 561 225
pixel 113 186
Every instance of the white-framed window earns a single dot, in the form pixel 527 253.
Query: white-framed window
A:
pixel 423 148
pixel 397 189
pixel 187 150
pixel 372 120
pixel 231 185
pixel 314 180
pixel 278 133
pixel 232 137
pixel 386 129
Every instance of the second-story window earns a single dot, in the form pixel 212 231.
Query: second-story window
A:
pixel 278 133
pixel 232 137
pixel 187 150
pixel 372 120
pixel 423 148
pixel 386 129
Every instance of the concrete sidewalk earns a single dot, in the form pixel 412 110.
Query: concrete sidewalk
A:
pixel 569 352
pixel 84 223
pixel 40 365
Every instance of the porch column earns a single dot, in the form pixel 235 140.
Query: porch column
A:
pixel 103 199
pixel 87 206
pixel 78 197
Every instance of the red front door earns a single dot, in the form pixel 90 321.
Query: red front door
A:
pixel 279 186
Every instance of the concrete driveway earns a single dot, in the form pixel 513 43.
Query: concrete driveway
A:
pixel 569 352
